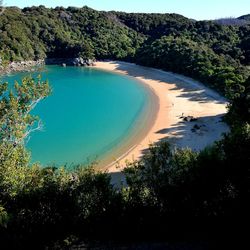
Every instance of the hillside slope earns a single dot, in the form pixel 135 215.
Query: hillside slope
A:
pixel 207 51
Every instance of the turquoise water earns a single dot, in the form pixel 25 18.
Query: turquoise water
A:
pixel 89 113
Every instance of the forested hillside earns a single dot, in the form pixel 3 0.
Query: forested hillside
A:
pixel 245 17
pixel 39 32
pixel 212 53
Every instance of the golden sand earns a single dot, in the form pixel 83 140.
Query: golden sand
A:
pixel 177 96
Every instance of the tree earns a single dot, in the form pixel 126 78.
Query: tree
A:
pixel 239 108
pixel 16 124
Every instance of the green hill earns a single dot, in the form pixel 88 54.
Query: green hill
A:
pixel 39 32
pixel 245 17
pixel 205 50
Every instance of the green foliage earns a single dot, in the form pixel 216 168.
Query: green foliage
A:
pixel 154 25
pixel 16 124
pixel 214 182
pixel 182 55
pixel 3 217
pixel 15 106
pixel 37 32
pixel 161 178
pixel 239 108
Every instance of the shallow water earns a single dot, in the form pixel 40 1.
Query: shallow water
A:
pixel 88 115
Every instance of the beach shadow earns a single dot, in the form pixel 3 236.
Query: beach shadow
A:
pixel 118 179
pixel 189 88
pixel 195 135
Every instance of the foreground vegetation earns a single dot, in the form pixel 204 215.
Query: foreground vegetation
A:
pixel 170 195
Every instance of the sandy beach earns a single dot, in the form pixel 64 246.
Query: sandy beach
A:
pixel 177 97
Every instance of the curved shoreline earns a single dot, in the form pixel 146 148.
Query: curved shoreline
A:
pixel 136 134
pixel 178 96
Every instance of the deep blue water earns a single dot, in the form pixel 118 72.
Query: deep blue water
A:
pixel 89 113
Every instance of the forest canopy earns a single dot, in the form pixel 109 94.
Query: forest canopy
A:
pixel 213 53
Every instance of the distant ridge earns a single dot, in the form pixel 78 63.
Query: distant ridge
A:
pixel 245 17
pixel 240 21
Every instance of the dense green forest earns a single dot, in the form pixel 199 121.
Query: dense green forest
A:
pixel 171 195
pixel 207 51
pixel 39 32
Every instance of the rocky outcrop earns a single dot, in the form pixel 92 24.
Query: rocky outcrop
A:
pixel 20 66
pixel 78 61
pixel 83 62
pixel 30 65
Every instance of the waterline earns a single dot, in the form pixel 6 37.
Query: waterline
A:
pixel 91 115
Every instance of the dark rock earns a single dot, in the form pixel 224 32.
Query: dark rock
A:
pixel 189 119
pixel 20 66
pixel 77 61
pixel 196 126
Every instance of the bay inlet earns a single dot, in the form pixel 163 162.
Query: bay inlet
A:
pixel 91 115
